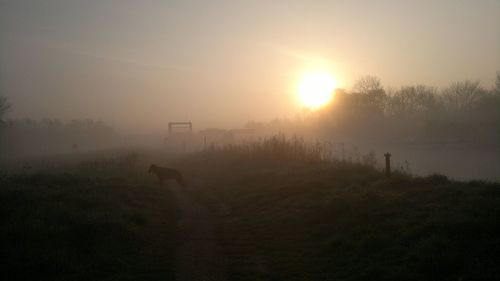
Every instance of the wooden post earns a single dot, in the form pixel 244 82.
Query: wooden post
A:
pixel 388 164
pixel 204 142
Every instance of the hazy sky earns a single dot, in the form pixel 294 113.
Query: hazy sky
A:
pixel 139 64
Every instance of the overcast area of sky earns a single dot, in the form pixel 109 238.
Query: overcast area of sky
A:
pixel 140 64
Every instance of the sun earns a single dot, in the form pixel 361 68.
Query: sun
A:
pixel 315 89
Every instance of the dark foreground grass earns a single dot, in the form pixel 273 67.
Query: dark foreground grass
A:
pixel 284 213
pixel 283 217
pixel 98 220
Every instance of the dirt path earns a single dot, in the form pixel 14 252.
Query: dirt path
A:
pixel 198 256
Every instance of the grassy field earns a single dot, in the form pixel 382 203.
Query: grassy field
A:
pixel 286 214
pixel 102 218
pixel 282 212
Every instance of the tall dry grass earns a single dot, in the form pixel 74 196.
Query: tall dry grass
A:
pixel 282 148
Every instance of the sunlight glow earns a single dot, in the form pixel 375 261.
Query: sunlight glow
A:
pixel 316 89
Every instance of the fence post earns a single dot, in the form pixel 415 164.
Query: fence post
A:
pixel 388 164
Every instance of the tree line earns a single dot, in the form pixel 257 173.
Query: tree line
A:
pixel 24 137
pixel 462 112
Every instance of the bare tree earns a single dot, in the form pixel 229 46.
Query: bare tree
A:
pixel 461 96
pixel 411 100
pixel 367 84
pixel 372 96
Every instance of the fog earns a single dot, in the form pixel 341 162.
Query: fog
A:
pixel 419 80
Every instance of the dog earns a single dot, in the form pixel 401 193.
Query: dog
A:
pixel 164 173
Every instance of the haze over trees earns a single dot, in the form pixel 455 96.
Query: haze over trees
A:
pixel 28 137
pixel 462 112
pixel 370 116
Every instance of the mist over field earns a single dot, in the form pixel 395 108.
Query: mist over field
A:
pixel 452 131
pixel 238 140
